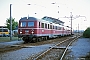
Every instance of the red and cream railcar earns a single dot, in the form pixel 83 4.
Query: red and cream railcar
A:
pixel 33 29
pixel 67 31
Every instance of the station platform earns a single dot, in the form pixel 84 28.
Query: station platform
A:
pixel 8 44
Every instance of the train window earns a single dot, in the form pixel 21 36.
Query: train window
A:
pixel 50 26
pixel 63 28
pixel 59 28
pixel 30 24
pixel 53 27
pixel 46 26
pixel 39 24
pixel 23 24
pixel 3 30
pixel 56 27
pixel 42 25
pixel 0 30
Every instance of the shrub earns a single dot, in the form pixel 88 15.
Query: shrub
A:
pixel 86 33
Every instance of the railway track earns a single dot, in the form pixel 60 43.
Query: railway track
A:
pixel 56 52
pixel 29 45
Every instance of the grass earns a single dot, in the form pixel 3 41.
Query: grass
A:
pixel 7 39
pixel 87 57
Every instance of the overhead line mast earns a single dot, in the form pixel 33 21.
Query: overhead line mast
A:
pixel 71 18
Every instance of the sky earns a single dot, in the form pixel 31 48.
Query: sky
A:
pixel 41 8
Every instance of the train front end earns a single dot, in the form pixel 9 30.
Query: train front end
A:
pixel 26 29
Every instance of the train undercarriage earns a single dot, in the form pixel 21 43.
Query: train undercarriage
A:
pixel 33 38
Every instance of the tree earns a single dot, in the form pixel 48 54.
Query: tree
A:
pixel 86 33
pixel 14 23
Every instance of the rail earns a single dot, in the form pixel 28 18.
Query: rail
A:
pixel 42 54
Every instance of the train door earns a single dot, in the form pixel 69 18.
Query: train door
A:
pixel 51 30
pixel 62 31
pixel 39 30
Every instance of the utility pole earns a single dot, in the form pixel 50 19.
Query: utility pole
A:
pixel 78 28
pixel 71 22
pixel 10 24
pixel 71 18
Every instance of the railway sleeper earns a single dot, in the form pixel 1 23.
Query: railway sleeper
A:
pixel 59 47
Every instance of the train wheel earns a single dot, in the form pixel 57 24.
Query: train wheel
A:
pixel 39 39
pixel 30 40
pixel 26 41
pixel 34 40
pixel 45 38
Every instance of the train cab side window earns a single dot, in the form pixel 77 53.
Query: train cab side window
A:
pixel 23 24
pixel 42 25
pixel 39 24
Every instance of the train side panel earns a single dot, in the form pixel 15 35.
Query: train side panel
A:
pixel 33 29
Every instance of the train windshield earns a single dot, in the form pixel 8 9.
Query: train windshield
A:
pixel 23 24
pixel 30 24
pixel 3 30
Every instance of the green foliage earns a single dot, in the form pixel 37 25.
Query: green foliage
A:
pixel 7 39
pixel 14 23
pixel 86 33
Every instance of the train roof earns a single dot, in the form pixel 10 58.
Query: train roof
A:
pixel 3 27
pixel 45 19
pixel 54 20
pixel 50 19
pixel 28 18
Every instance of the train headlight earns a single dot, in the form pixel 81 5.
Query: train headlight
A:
pixel 32 32
pixel 20 32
